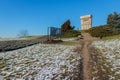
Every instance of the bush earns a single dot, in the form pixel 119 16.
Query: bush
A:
pixel 103 31
pixel 70 33
pixel 112 27
pixel 66 26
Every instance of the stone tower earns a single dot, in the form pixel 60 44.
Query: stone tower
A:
pixel 86 22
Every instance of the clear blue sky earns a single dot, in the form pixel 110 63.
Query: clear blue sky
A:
pixel 36 15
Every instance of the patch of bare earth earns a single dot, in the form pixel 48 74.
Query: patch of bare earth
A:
pixel 86 41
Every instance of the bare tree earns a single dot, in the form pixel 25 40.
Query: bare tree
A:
pixel 23 33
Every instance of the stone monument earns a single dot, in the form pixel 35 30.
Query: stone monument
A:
pixel 86 22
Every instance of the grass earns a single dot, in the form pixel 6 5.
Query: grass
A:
pixel 97 64
pixel 62 38
pixel 105 60
pixel 111 37
pixel 69 43
pixel 59 61
pixel 31 37
pixel 68 37
pixel 82 31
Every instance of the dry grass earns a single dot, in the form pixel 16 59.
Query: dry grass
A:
pixel 69 43
pixel 111 37
pixel 58 62
pixel 100 67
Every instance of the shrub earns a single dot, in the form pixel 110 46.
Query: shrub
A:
pixel 103 31
pixel 67 26
pixel 70 33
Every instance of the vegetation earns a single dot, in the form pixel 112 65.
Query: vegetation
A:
pixel 98 65
pixel 69 43
pixel 23 33
pixel 68 31
pixel 17 44
pixel 41 62
pixel 111 28
pixel 105 59
pixel 112 37
pixel 67 26
pixel 113 20
pixel 83 31
pixel 32 37
pixel 102 31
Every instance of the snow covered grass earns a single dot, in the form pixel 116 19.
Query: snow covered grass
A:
pixel 41 62
pixel 106 60
pixel 69 39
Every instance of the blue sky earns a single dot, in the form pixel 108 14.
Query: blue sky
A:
pixel 36 16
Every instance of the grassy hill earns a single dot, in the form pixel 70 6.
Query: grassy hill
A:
pixel 112 37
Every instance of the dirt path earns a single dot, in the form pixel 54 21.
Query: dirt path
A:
pixel 86 55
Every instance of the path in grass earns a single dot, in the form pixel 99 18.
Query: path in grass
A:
pixel 86 55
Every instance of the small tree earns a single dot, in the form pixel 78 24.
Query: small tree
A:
pixel 23 33
pixel 68 31
pixel 67 26
pixel 113 20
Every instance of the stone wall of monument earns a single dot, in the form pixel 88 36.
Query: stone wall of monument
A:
pixel 86 22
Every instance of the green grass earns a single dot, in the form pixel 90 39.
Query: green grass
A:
pixel 82 31
pixel 111 37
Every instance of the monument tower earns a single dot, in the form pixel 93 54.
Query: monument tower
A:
pixel 86 22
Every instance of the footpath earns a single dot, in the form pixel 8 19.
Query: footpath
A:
pixel 86 41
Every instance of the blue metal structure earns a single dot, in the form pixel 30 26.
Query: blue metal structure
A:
pixel 55 31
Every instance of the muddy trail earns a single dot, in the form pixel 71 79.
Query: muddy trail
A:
pixel 86 41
